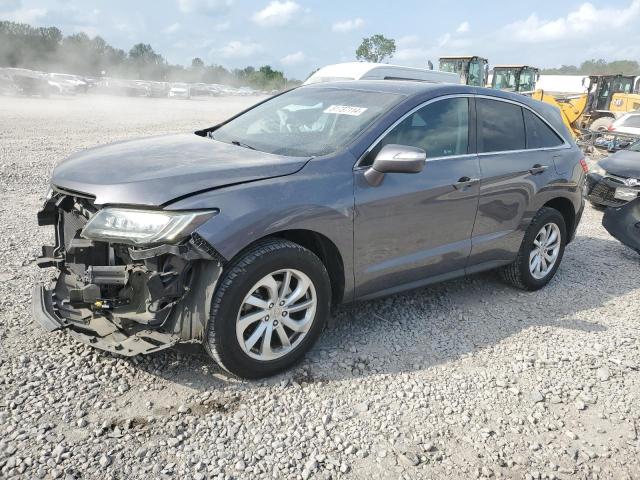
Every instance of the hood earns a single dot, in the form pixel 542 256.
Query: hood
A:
pixel 623 163
pixel 156 170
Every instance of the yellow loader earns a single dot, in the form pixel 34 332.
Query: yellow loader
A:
pixel 515 78
pixel 608 97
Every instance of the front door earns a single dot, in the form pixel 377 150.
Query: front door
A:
pixel 416 228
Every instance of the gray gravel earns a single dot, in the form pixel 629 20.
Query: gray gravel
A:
pixel 461 380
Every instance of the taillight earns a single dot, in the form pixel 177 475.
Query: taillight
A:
pixel 611 128
pixel 583 164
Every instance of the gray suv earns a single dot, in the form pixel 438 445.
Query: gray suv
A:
pixel 243 236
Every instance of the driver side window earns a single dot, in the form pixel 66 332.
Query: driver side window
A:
pixel 440 128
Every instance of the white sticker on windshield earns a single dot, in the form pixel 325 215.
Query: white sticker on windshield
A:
pixel 345 110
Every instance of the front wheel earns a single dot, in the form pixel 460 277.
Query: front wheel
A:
pixel 269 309
pixel 540 253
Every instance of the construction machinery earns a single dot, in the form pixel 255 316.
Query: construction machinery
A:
pixel 608 97
pixel 473 70
pixel 515 78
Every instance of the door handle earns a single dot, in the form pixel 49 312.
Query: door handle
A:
pixel 537 169
pixel 465 182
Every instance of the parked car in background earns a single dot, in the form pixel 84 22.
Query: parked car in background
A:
pixel 67 84
pixel 29 82
pixel 158 89
pixel 7 85
pixel 378 71
pixel 200 90
pixel 623 223
pixel 614 181
pixel 242 235
pixel 627 124
pixel 180 90
pixel 129 88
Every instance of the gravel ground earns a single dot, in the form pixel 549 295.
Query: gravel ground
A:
pixel 465 379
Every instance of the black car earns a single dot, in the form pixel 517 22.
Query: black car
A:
pixel 615 180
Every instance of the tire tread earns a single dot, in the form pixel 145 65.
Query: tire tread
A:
pixel 512 273
pixel 236 267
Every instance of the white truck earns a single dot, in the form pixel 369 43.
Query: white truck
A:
pixel 378 71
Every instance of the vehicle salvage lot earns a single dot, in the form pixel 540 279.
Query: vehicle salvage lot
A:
pixel 464 379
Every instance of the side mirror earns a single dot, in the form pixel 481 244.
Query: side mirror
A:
pixel 395 159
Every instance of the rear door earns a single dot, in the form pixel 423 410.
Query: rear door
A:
pixel 511 175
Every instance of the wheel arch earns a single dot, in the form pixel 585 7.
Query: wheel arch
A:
pixel 325 249
pixel 566 209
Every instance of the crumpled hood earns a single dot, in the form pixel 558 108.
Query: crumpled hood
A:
pixel 624 163
pixel 156 170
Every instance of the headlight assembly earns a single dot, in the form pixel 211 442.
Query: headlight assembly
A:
pixel 143 227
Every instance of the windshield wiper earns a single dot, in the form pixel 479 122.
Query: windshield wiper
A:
pixel 240 144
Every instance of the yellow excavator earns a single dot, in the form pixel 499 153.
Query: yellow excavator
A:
pixel 608 97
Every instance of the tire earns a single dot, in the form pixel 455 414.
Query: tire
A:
pixel 601 124
pixel 271 258
pixel 519 273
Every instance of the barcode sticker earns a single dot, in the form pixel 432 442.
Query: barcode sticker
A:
pixel 345 110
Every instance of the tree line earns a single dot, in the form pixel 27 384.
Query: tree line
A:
pixel 597 67
pixel 47 49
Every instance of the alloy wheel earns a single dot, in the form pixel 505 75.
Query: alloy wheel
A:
pixel 276 314
pixel 546 248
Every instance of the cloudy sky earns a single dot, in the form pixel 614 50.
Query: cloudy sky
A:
pixel 300 35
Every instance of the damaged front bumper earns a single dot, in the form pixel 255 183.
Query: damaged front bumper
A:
pixel 119 298
pixel 623 223
pixel 606 191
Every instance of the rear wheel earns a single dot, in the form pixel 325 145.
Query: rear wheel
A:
pixel 269 309
pixel 540 253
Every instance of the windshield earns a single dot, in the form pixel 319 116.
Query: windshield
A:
pixel 307 122
pixel 453 66
pixel 527 80
pixel 504 79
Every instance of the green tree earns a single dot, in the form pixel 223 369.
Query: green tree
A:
pixel 146 63
pixel 376 48
pixel 46 49
pixel 597 67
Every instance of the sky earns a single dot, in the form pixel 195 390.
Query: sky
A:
pixel 298 36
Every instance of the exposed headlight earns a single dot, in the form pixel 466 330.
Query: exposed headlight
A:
pixel 596 168
pixel 143 227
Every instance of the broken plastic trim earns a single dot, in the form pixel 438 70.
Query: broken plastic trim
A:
pixel 196 249
pixel 623 223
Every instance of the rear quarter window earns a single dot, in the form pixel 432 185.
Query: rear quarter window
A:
pixel 501 126
pixel 632 121
pixel 539 134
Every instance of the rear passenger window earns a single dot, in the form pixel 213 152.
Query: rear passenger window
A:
pixel 441 129
pixel 632 121
pixel 501 126
pixel 539 134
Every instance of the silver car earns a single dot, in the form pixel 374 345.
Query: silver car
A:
pixel 243 236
